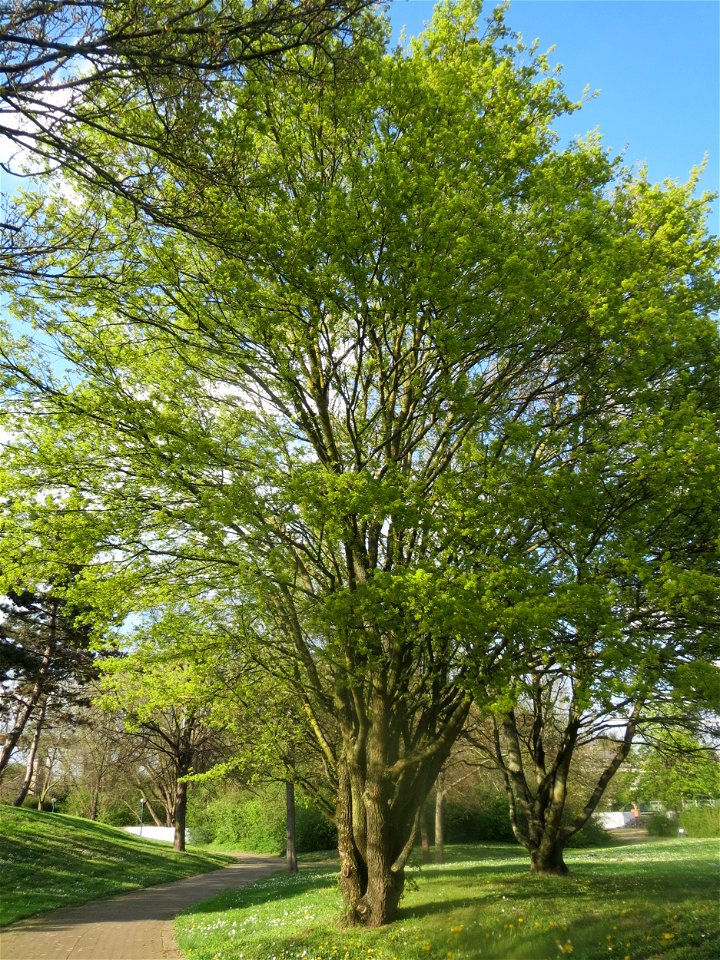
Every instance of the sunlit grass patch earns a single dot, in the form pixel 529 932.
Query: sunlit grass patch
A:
pixel 642 901
pixel 50 860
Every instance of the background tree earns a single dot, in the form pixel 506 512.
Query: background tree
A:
pixel 100 769
pixel 675 768
pixel 267 736
pixel 168 705
pixel 47 666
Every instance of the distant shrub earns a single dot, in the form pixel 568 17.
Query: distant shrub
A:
pixel 250 821
pixel 660 825
pixel 117 815
pixel 313 830
pixel 489 820
pixel 701 821
pixel 591 835
pixel 255 821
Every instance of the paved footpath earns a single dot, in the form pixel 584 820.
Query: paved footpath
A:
pixel 134 926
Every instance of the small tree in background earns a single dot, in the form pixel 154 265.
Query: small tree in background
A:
pixel 45 669
pixel 167 703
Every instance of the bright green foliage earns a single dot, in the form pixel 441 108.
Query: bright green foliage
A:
pixel 235 818
pixel 676 769
pixel 701 821
pixel 407 416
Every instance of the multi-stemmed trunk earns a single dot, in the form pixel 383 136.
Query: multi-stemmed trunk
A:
pixel 374 846
pixel 536 781
pixel 380 799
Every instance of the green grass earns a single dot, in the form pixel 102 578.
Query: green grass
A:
pixel 49 860
pixel 649 900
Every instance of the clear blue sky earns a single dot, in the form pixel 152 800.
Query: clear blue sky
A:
pixel 656 64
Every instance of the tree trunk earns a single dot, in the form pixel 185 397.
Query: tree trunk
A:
pixel 380 798
pixel 30 772
pixel 547 859
pixel 386 875
pixel 353 870
pixel 439 820
pixel 290 846
pixel 29 704
pixel 536 807
pixel 155 818
pixel 180 812
pixel 371 851
pixel 94 803
pixel 424 835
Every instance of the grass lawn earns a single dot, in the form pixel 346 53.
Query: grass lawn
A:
pixel 648 900
pixel 49 860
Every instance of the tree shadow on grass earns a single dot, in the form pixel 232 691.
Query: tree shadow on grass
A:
pixel 278 887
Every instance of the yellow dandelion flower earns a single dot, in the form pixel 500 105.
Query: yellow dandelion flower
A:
pixel 668 936
pixel 457 929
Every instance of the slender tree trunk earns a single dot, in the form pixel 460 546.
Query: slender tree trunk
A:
pixel 169 794
pixel 424 835
pixel 99 777
pixel 30 771
pixel 290 845
pixel 29 703
pixel 94 803
pixel 180 813
pixel 439 819
pixel 155 818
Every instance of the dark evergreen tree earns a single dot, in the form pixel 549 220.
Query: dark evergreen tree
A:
pixel 45 662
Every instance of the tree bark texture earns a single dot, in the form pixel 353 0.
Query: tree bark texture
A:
pixel 380 800
pixel 180 815
pixel 424 835
pixel 30 771
pixel 439 819
pixel 290 840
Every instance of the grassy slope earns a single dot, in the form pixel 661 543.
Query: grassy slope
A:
pixel 634 902
pixel 50 860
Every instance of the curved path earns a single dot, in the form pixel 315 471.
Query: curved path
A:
pixel 134 926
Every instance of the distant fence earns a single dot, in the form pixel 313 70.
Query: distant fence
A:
pixel 166 834
pixel 613 819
